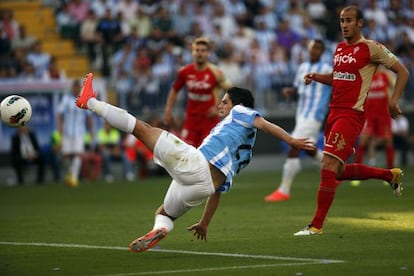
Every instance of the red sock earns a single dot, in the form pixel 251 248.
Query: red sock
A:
pixel 326 195
pixel 359 155
pixel 363 172
pixel 389 151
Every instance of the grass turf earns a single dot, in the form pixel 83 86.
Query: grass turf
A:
pixel 55 230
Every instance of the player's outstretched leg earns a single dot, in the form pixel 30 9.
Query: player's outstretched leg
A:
pixel 148 241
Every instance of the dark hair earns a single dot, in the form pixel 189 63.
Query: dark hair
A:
pixel 320 42
pixel 358 12
pixel 242 96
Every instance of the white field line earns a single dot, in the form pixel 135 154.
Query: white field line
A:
pixel 301 261
pixel 239 267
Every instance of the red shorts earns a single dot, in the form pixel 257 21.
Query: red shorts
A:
pixel 341 133
pixel 377 127
pixel 195 128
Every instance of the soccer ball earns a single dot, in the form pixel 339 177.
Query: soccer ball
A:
pixel 15 111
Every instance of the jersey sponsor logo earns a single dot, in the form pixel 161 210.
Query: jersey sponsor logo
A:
pixel 344 59
pixel 193 84
pixel 344 76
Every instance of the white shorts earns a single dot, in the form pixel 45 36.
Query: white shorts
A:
pixel 190 171
pixel 307 129
pixel 72 145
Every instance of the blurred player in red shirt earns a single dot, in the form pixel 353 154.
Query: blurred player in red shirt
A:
pixel 203 81
pixel 377 127
pixel 354 63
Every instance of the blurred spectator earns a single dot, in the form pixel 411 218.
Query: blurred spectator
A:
pixel 25 150
pixel 73 124
pixel 123 60
pixel 252 8
pixel 237 9
pixel 28 73
pixel 162 69
pixel 123 85
pixel 148 89
pixel 156 42
pixel 268 17
pixel 401 134
pixel 18 60
pixel 9 25
pixel 373 31
pixel 78 10
pixel 128 8
pixel 226 22
pixel 110 148
pixel 109 37
pixel 395 12
pixel 286 36
pixel 39 59
pixel 100 6
pixel 299 53
pixel 241 42
pixel 264 35
pixel 23 39
pixel 376 13
pixel 66 24
pixel 182 20
pixel 54 72
pixel 88 35
pixel 294 17
pixel 142 22
pixel 316 10
pixel 5 43
pixel 230 67
pixel 202 20
pixel 257 74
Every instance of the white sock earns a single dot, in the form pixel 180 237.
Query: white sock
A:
pixel 75 167
pixel 117 117
pixel 290 169
pixel 162 221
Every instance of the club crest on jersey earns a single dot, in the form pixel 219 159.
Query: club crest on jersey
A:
pixel 356 49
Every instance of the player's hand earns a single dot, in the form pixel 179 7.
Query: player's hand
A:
pixel 303 144
pixel 395 110
pixel 200 231
pixel 168 119
pixel 308 78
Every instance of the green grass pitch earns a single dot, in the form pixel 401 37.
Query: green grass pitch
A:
pixel 56 230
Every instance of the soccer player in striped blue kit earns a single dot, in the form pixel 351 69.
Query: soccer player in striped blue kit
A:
pixel 310 113
pixel 198 173
pixel 73 126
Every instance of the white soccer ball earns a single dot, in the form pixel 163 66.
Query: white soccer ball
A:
pixel 15 111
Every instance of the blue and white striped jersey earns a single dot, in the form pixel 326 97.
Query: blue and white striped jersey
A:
pixel 229 145
pixel 74 118
pixel 313 98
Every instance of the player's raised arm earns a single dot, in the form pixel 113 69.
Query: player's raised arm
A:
pixel 322 78
pixel 400 82
pixel 280 133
